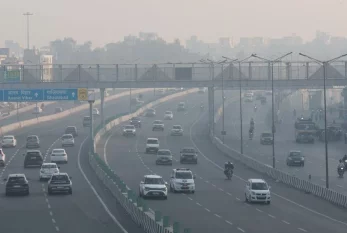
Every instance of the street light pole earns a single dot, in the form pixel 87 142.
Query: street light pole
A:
pixel 324 63
pixel 273 127
pixel 27 14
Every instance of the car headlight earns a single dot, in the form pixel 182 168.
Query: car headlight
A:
pixel 146 189
pixel 253 193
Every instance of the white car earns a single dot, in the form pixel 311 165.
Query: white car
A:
pixel 164 157
pixel 8 141
pixel 59 156
pixel 129 130
pixel 37 110
pixel 168 115
pixel 182 180
pixel 47 170
pixel 152 145
pixel 202 90
pixel 158 125
pixel 176 130
pixel 67 140
pixel 257 190
pixel 95 112
pixel 2 158
pixel 153 186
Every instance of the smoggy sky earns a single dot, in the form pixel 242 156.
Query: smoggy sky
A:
pixel 104 21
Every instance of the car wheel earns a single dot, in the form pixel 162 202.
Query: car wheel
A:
pixel 246 199
pixel 70 191
pixel 249 199
pixel 7 194
pixel 303 164
pixel 196 162
pixel 165 197
pixel 193 191
pixel 41 179
pixel 268 203
pixel 146 151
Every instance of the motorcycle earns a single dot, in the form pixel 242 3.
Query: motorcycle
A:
pixel 229 173
pixel 340 171
pixel 250 135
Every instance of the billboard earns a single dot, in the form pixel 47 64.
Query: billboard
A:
pixel 5 51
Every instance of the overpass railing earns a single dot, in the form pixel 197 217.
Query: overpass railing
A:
pixel 252 70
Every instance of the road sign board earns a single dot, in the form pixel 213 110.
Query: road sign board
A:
pixel 91 95
pixel 83 94
pixel 12 76
pixel 23 95
pixel 60 94
pixel 1 95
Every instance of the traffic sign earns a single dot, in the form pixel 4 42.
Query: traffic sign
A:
pixel 83 94
pixel 60 94
pixel 23 95
pixel 12 75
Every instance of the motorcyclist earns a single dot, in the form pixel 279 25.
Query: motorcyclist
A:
pixel 251 130
pixel 228 166
pixel 252 123
pixel 344 158
pixel 341 164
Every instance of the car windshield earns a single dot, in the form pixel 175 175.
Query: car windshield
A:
pixel 188 150
pixel 67 136
pixel 184 175
pixel 266 135
pixel 60 178
pixel 19 179
pixel 86 118
pixel 168 113
pixel 295 154
pixel 259 186
pixel 176 127
pixel 152 141
pixel 8 137
pixel 58 151
pixel 158 122
pixel 31 138
pixel 154 181
pixel 164 152
pixel 135 119
pixel 70 129
pixel 129 127
pixel 45 166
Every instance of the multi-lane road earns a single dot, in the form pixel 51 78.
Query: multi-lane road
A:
pixel 91 208
pixel 218 204
pixel 284 142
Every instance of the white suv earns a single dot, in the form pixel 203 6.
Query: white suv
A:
pixel 152 145
pixel 67 140
pixel 129 130
pixel 168 115
pixel 257 190
pixel 153 186
pixel 47 170
pixel 182 179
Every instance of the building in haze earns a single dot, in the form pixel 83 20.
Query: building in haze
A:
pixel 46 62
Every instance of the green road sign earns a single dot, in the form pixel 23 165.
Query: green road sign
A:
pixel 12 76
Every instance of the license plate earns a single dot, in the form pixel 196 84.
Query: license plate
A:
pixel 60 187
pixel 297 162
pixel 155 193
pixel 184 187
pixel 16 186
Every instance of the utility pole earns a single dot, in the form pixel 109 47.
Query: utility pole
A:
pixel 27 14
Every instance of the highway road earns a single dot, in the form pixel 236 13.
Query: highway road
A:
pixel 284 142
pixel 80 212
pixel 218 205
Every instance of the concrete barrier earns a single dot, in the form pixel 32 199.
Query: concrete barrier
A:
pixel 151 221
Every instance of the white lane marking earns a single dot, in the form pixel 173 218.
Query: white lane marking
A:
pixel 229 194
pixel 221 189
pixel 57 228
pixel 207 210
pixel 323 180
pixel 94 190
pixel 51 213
pixel 228 222
pixel 240 229
pixel 49 206
pixel 46 199
pixel 238 199
pixel 207 181
pixel 302 229
pixel 271 216
pixel 285 222
pixel 53 220
pixel 218 216
pixel 198 204
pixel 190 198
pixel 259 210
pixel 339 186
pixel 275 194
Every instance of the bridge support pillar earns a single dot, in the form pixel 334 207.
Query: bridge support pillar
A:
pixel 102 105
pixel 211 109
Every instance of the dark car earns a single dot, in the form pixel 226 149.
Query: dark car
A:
pixel 181 107
pixel 295 158
pixel 17 184
pixel 71 130
pixel 150 112
pixel 33 141
pixel 87 121
pixel 304 137
pixel 60 183
pixel 135 121
pixel 33 158
pixel 188 155
pixel 266 138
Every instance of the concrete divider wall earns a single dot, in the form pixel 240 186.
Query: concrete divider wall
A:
pixel 22 124
pixel 149 220
pixel 332 196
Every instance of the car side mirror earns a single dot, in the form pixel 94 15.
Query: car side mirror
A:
pixel 70 177
pixel 5 179
pixel 194 177
pixel 165 183
pixel 171 177
pixel 59 167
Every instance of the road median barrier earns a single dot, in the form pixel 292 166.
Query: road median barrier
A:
pixel 151 221
pixel 22 124
pixel 332 196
